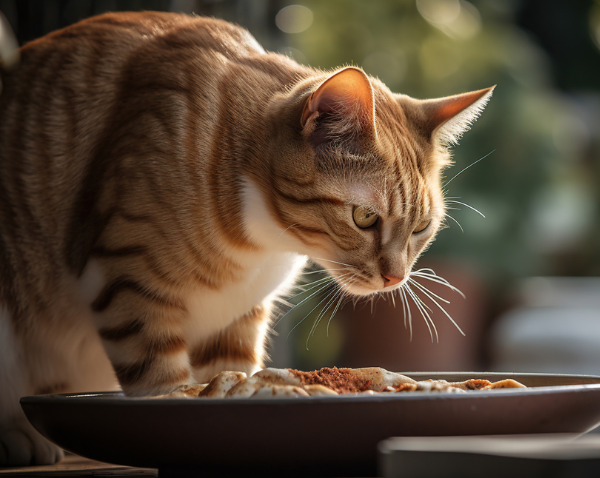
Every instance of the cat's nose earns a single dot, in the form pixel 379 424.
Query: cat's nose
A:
pixel 389 280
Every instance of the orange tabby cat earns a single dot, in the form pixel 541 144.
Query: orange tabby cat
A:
pixel 163 179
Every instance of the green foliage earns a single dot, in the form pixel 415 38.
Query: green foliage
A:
pixel 540 136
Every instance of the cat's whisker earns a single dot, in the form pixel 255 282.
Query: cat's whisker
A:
pixel 331 276
pixel 461 228
pixel 323 287
pixel 470 207
pixel 329 296
pixel 422 287
pixel 336 262
pixel 325 309
pixel 337 298
pixel 430 295
pixel 410 295
pixel 422 307
pixel 400 292
pixel 308 287
pixel 430 275
pixel 448 208
pixel 286 229
pixel 464 169
pixel 342 296
pixel 310 283
pixel 284 302
pixel 324 271
pixel 406 304
pixel 426 312
pixel 332 286
pixel 332 296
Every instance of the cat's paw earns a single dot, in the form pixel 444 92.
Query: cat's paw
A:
pixel 23 446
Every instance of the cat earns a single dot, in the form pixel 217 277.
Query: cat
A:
pixel 163 179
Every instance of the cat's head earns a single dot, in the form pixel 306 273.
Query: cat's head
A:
pixel 356 175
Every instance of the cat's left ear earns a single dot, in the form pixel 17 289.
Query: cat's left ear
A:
pixel 446 119
pixel 341 108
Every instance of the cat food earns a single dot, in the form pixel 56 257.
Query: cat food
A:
pixel 272 382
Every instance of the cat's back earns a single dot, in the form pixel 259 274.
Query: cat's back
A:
pixel 119 34
pixel 83 98
pixel 93 55
pixel 77 87
pixel 90 58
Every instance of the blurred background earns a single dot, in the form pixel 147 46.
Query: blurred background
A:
pixel 528 269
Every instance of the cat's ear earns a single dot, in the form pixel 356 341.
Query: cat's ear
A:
pixel 342 108
pixel 446 119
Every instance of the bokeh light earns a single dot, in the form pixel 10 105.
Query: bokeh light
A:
pixel 439 12
pixel 294 19
pixel 456 18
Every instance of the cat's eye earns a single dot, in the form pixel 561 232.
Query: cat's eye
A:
pixel 421 227
pixel 364 218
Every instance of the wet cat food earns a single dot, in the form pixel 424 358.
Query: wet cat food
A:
pixel 272 382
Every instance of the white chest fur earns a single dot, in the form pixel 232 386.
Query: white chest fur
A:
pixel 211 311
pixel 268 273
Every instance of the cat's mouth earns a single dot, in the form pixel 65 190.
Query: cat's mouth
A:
pixel 363 288
pixel 352 280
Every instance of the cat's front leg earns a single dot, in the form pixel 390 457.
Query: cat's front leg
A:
pixel 140 326
pixel 20 443
pixel 238 347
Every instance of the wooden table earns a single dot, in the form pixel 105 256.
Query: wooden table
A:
pixel 74 466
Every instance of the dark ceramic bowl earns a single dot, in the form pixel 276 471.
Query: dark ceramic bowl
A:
pixel 324 436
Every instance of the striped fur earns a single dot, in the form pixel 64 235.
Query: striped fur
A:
pixel 162 179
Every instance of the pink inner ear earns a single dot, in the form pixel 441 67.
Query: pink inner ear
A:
pixel 447 108
pixel 326 102
pixel 346 89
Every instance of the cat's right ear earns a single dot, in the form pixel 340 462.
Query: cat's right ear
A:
pixel 446 119
pixel 341 109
